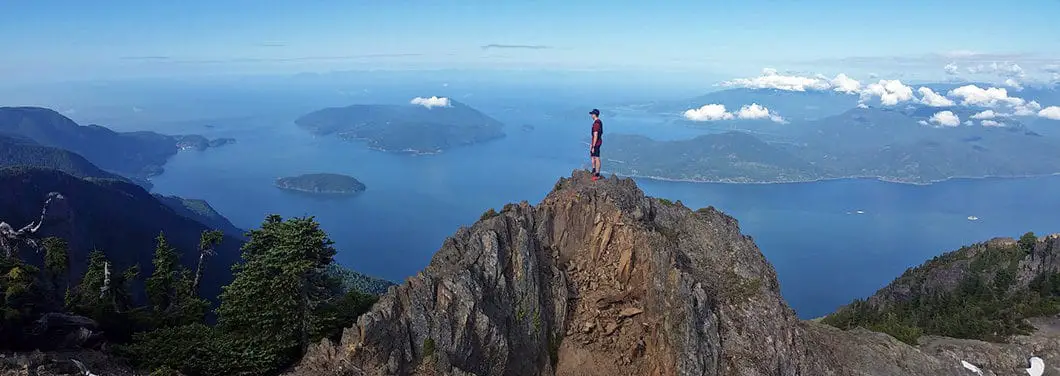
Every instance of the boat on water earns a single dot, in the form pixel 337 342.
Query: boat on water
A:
pixel 973 218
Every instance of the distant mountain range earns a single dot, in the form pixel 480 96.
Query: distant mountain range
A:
pixel 900 143
pixel 42 152
pixel 411 128
pixel 135 155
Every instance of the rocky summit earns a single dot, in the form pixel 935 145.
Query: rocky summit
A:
pixel 599 279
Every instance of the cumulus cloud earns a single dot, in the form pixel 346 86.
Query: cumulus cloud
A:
pixel 945 118
pixel 890 92
pixel 990 123
pixel 755 111
pixel 1051 112
pixel 988 114
pixel 1027 109
pixel 431 102
pixel 1052 68
pixel 709 112
pixel 845 84
pixel 972 95
pixel 715 112
pixel 931 98
pixel 771 79
pixel 1013 84
pixel 968 123
pixel 951 69
pixel 923 122
pixel 1005 69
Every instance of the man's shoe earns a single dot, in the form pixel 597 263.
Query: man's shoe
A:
pixel 596 177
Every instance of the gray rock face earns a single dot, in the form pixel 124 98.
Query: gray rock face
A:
pixel 598 279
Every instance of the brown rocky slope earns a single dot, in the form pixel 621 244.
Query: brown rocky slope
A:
pixel 599 279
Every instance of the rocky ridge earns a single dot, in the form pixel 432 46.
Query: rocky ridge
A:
pixel 599 279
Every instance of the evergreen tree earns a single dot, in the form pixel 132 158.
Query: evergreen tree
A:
pixel 284 265
pixel 1028 241
pixel 21 295
pixel 170 290
pixel 104 295
pixel 57 264
pixel 161 285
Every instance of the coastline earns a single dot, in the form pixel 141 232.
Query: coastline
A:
pixel 818 180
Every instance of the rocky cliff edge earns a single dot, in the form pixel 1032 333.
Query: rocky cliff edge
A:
pixel 599 279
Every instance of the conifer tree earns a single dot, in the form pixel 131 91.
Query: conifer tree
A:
pixel 57 264
pixel 284 265
pixel 161 285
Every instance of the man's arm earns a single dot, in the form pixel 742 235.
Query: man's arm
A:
pixel 595 136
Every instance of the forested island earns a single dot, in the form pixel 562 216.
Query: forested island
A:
pixel 323 183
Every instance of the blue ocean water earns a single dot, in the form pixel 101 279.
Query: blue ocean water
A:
pixel 824 251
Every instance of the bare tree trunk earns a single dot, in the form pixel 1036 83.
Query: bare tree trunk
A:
pixel 10 238
pixel 199 271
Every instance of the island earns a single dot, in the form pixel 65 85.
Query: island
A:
pixel 330 184
pixel 197 142
pixel 414 128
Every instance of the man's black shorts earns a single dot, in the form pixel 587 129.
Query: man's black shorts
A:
pixel 595 151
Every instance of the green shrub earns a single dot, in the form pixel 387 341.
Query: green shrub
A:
pixel 488 214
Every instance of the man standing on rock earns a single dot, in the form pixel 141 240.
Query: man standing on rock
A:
pixel 598 139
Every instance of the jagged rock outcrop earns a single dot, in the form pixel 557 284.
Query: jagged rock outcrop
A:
pixel 79 363
pixel 598 279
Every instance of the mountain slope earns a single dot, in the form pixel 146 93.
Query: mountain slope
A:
pixel 598 279
pixel 119 218
pixel 726 157
pixel 405 128
pixel 983 291
pixel 20 151
pixel 137 155
pixel 201 211
pixel 887 144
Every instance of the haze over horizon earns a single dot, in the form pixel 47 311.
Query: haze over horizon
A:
pixel 943 41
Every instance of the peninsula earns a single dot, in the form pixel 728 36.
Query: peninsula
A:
pixel 321 184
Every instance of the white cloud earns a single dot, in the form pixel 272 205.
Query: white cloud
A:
pixel 845 84
pixel 1052 68
pixel 890 92
pixel 1013 84
pixel 988 114
pixel 972 95
pixel 951 69
pixel 1027 109
pixel 431 102
pixel 931 98
pixel 710 112
pixel 755 111
pixel 968 123
pixel 1051 112
pixel 991 123
pixel 945 118
pixel 923 122
pixel 770 79
pixel 1005 69
pixel 715 112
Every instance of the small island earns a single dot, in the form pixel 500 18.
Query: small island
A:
pixel 332 184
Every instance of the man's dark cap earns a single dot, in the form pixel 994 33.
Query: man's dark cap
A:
pixel 595 112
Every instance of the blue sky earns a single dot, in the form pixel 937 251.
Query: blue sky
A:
pixel 117 38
